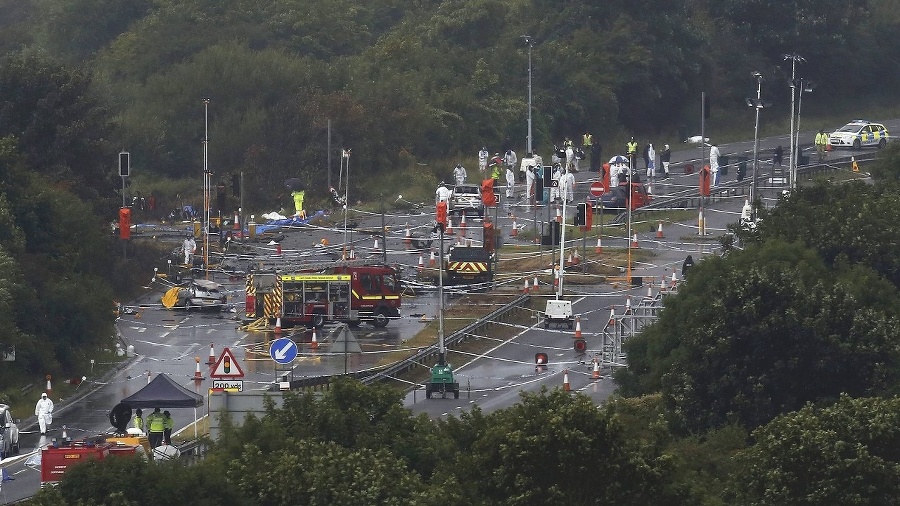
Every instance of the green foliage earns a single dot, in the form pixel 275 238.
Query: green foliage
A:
pixel 846 453
pixel 762 332
pixel 886 168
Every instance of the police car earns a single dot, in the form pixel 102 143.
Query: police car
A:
pixel 859 133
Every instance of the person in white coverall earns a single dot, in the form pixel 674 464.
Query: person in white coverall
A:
pixel 510 181
pixel 44 412
pixel 567 184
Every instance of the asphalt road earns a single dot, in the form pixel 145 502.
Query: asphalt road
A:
pixel 167 341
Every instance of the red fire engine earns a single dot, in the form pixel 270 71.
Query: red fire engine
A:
pixel 348 293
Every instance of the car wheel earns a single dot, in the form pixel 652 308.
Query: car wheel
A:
pixel 318 320
pixel 380 319
pixel 882 143
pixel 856 144
pixel 188 305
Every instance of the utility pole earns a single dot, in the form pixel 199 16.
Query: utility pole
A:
pixel 792 159
pixel 529 40
pixel 756 104
pixel 206 183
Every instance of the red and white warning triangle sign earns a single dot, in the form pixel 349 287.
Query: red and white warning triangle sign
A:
pixel 227 366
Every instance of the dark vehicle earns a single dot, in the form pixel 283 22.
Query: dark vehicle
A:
pixel 9 433
pixel 617 197
pixel 469 265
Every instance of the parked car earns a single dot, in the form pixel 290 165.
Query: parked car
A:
pixel 617 197
pixel 466 197
pixel 859 133
pixel 9 433
pixel 202 294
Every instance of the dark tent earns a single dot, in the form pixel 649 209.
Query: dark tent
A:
pixel 163 392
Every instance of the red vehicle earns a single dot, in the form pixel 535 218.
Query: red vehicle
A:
pixel 343 293
pixel 615 199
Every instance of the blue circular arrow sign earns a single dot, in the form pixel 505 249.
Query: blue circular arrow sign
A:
pixel 283 350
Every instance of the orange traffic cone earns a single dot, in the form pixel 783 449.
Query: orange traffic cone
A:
pixel 515 231
pixel 577 327
pixel 421 263
pixel 212 355
pixel 407 239
pixel 449 229
pixel 649 291
pixel 576 258
pixel 278 324
pixel 462 221
pixel 628 303
pixel 596 374
pixel 674 279
pixel 566 386
pixel 432 261
pixel 314 343
pixel 197 375
pixel 569 260
pixel 558 215
pixel 375 246
pixel 537 285
pixel 659 232
pixel 612 316
pixel 634 241
pixel 526 287
pixel 599 248
pixel 649 188
pixel 237 223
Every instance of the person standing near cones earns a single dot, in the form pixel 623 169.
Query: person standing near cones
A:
pixel 44 412
pixel 821 143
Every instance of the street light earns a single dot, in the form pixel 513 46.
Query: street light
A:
pixel 792 158
pixel 206 184
pixel 806 86
pixel 756 104
pixel 529 40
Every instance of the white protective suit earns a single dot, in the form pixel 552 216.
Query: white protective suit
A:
pixel 44 412
pixel 567 184
pixel 510 181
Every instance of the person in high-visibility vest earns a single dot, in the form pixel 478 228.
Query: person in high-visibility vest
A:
pixel 138 420
pixel 299 196
pixel 156 427
pixel 821 143
pixel 631 152
pixel 168 425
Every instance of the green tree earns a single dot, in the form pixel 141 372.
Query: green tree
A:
pixel 763 331
pixel 845 453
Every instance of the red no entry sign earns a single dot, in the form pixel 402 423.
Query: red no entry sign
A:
pixel 597 189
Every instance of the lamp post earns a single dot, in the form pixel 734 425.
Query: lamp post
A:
pixel 806 86
pixel 345 165
pixel 756 104
pixel 206 183
pixel 792 158
pixel 529 40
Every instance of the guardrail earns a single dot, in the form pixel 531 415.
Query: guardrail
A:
pixel 369 376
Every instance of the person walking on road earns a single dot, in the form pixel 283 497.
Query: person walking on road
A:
pixel 631 152
pixel 821 144
pixel 529 183
pixel 157 426
pixel 459 174
pixel 189 247
pixel 482 161
pixel 714 164
pixel 651 164
pixel 510 181
pixel 442 194
pixel 567 182
pixel 168 425
pixel 44 412
pixel 665 157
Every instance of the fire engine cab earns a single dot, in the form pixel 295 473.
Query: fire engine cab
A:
pixel 343 293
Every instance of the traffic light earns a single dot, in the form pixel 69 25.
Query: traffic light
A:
pixel 441 214
pixel 124 163
pixel 580 212
pixel 226 364
pixel 125 223
pixel 540 359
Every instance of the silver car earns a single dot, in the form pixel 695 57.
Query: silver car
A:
pixel 9 433
pixel 202 294
pixel 466 197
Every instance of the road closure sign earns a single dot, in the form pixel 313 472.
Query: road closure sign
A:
pixel 597 188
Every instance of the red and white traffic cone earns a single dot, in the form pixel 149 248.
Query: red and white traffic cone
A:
pixel 628 304
pixel 314 343
pixel 659 232
pixel 375 246
pixel 278 324
pixel 674 279
pixel 576 258
pixel 407 239
pixel 566 386
pixel 432 261
pixel 558 215
pixel 514 231
pixel 421 263
pixel 449 230
pixel 462 222
pixel 352 254
pixel 237 221
pixel 634 241
pixel 599 248
pixel 596 374
pixel 649 291
pixel 537 285
pixel 577 327
pixel 212 355
pixel 198 376
pixel 612 316
pixel 526 287
pixel 569 259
